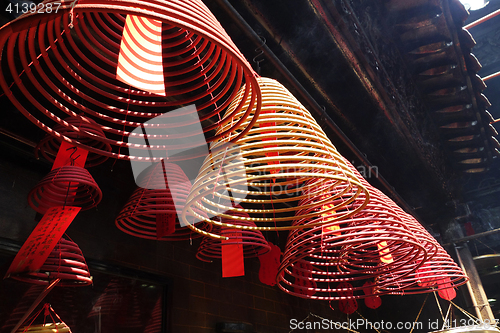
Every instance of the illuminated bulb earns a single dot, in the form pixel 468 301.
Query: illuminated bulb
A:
pixel 474 4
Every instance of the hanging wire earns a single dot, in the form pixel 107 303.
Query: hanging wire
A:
pixel 418 315
pixel 260 52
pixel 439 305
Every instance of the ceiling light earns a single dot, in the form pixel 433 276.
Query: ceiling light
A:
pixel 474 4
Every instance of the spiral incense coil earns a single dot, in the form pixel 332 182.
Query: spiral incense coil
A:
pixel 21 307
pixel 109 302
pixel 49 146
pixel 437 271
pixel 254 243
pixel 148 203
pixel 46 328
pixel 65 186
pixel 155 321
pixel 131 312
pixel 64 63
pixel 372 242
pixel 265 169
pixel 426 240
pixel 65 262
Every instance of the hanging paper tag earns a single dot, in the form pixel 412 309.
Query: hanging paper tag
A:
pixel 385 252
pixel 70 155
pixel 469 230
pixel 425 276
pixel 372 301
pixel 329 217
pixel 303 278
pixel 348 305
pixel 232 255
pixel 140 61
pixel 269 264
pixel 43 239
pixel 273 138
pixel 165 222
pixel 447 291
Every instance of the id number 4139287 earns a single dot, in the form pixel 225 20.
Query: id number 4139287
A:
pixel 25 7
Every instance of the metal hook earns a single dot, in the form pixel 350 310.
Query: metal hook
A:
pixel 260 52
pixel 73 159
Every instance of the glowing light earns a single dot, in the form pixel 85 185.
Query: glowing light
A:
pixel 474 4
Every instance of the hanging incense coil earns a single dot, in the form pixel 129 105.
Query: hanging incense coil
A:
pixel 155 321
pixel 65 63
pixel 49 145
pixel 254 243
pixel 46 328
pixel 65 186
pixel 437 272
pixel 21 307
pixel 65 262
pixel 109 302
pixel 164 186
pixel 131 312
pixel 267 167
pixel 359 248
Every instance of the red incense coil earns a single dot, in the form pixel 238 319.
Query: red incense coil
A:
pixel 354 249
pixel 65 63
pixel 155 321
pixel 254 243
pixel 157 196
pixel 131 312
pixel 65 262
pixel 49 146
pixel 65 186
pixel 109 302
pixel 437 272
pixel 21 307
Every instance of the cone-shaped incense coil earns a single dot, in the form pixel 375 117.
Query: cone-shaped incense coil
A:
pixel 21 307
pixel 164 188
pixel 62 60
pixel 65 262
pixel 155 321
pixel 49 146
pixel 65 186
pixel 265 169
pixel 356 249
pixel 254 243
pixel 437 272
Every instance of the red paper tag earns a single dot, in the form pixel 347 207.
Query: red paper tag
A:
pixel 165 222
pixel 232 255
pixel 425 276
pixel 43 239
pixel 349 305
pixel 270 154
pixel 469 230
pixel 385 252
pixel 303 278
pixel 70 155
pixel 140 61
pixel 373 301
pixel 447 292
pixel 269 264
